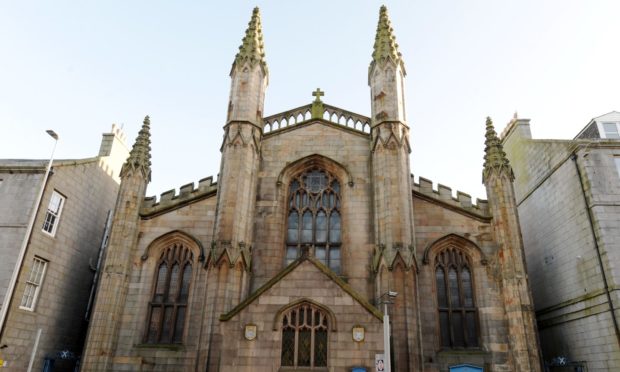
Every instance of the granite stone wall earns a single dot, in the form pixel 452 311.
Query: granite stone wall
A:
pixel 566 277
pixel 70 254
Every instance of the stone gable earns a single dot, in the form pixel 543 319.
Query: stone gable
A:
pixel 306 282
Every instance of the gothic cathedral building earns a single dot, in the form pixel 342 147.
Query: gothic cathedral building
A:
pixel 313 230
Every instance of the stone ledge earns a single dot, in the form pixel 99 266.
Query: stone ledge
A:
pixel 169 347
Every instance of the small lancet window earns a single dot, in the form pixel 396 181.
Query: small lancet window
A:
pixel 314 217
pixel 458 316
pixel 168 305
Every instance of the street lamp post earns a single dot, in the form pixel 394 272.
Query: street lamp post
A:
pixel 386 299
pixel 22 252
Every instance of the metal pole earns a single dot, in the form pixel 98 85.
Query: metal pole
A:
pixel 386 339
pixel 34 350
pixel 22 251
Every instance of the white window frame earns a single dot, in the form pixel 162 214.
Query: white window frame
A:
pixel 603 132
pixel 52 215
pixel 32 289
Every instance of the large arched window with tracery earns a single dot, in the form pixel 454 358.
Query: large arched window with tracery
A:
pixel 168 305
pixel 314 218
pixel 304 337
pixel 458 318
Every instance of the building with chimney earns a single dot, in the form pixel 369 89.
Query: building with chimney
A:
pixel 47 263
pixel 568 197
pixel 314 231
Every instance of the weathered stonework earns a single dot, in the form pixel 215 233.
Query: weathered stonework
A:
pixel 567 196
pixel 89 187
pixel 393 231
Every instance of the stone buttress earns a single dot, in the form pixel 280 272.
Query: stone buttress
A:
pixel 231 250
pixel 498 178
pixel 394 257
pixel 112 293
pixel 240 149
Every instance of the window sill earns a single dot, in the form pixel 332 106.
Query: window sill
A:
pixel 49 234
pixel 171 347
pixel 296 369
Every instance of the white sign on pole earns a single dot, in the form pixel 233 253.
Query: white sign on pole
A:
pixel 379 363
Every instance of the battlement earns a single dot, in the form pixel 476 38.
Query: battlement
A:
pixel 170 199
pixel 303 114
pixel 444 194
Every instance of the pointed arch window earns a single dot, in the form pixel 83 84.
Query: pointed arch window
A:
pixel 168 305
pixel 458 316
pixel 304 337
pixel 314 217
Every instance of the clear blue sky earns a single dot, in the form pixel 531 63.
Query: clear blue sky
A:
pixel 79 66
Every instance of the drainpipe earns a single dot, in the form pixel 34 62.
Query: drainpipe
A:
pixel 597 248
pixel 102 247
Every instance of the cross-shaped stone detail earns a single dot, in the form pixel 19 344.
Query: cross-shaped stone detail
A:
pixel 318 93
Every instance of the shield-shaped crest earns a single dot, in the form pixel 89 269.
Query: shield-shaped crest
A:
pixel 250 332
pixel 358 333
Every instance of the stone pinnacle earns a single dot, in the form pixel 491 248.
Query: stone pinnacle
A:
pixel 495 159
pixel 140 155
pixel 252 49
pixel 385 47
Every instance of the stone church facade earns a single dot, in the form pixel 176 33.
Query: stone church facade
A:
pixel 283 264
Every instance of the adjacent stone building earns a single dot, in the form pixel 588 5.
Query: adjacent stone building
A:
pixel 568 196
pixel 283 264
pixel 44 311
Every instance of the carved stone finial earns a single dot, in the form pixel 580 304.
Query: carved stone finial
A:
pixel 495 159
pixel 252 48
pixel 385 47
pixel 140 156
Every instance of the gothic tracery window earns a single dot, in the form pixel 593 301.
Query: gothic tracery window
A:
pixel 314 217
pixel 304 337
pixel 168 305
pixel 455 300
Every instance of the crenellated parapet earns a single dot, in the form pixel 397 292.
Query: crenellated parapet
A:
pixel 443 194
pixel 168 200
pixel 397 252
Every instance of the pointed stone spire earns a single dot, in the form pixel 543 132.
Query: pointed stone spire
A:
pixel 140 155
pixel 252 48
pixel 495 159
pixel 385 47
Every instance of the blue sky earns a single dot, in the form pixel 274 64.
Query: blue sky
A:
pixel 79 66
